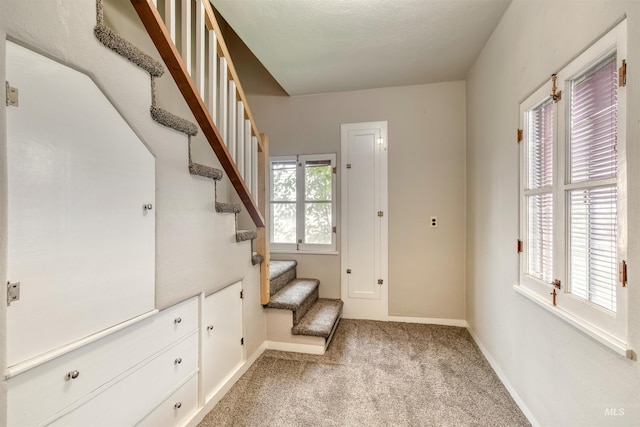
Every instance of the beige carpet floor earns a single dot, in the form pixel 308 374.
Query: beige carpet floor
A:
pixel 373 374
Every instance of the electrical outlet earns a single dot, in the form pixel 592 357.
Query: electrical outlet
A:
pixel 433 221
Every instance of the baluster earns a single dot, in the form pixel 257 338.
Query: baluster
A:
pixel 248 173
pixel 240 139
pixel 231 124
pixel 254 167
pixel 222 105
pixel 170 18
pixel 186 34
pixel 213 75
pixel 200 51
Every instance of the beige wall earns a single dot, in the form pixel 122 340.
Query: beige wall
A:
pixel 563 377
pixel 426 178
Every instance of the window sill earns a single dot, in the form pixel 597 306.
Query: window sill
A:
pixel 294 252
pixel 602 337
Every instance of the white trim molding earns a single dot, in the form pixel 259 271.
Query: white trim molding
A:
pixel 461 323
pixel 504 379
pixel 295 347
pixel 224 389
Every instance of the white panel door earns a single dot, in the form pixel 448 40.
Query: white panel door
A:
pixel 222 352
pixel 364 220
pixel 80 242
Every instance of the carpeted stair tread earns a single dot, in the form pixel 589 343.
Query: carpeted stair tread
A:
pixel 244 235
pixel 257 259
pixel 280 267
pixel 224 207
pixel 205 171
pixel 172 121
pixel 281 273
pixel 320 318
pixel 116 43
pixel 298 296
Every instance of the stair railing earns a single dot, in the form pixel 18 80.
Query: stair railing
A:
pixel 205 75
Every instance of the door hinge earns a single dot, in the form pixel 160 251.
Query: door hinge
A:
pixel 380 281
pixel 380 213
pixel 13 292
pixel 11 96
pixel 622 74
pixel 556 94
pixel 242 294
pixel 623 273
pixel 242 341
pixel 519 135
pixel 348 165
pixel 519 245
pixel 348 271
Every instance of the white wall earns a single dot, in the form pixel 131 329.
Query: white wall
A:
pixel 195 247
pixel 562 376
pixel 426 177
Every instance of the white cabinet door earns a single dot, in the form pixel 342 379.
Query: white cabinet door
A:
pixel 222 332
pixel 81 243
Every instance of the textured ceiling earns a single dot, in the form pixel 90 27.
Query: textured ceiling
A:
pixel 315 46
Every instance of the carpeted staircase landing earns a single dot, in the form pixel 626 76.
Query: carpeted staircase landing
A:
pixel 312 316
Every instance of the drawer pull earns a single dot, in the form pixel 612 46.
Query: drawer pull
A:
pixel 72 375
pixel 178 405
pixel 210 328
pixel 177 320
pixel 178 361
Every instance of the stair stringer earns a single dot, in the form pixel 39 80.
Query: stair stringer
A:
pixel 190 233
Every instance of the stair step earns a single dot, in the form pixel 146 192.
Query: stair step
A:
pixel 257 259
pixel 321 318
pixel 224 207
pixel 298 296
pixel 122 47
pixel 172 121
pixel 205 171
pixel 281 273
pixel 244 235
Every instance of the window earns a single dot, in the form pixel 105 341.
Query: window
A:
pixel 573 193
pixel 302 200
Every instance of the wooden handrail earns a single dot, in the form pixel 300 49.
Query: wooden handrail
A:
pixel 156 29
pixel 212 24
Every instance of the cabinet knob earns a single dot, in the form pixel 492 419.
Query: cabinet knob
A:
pixel 72 375
pixel 210 328
pixel 178 405
pixel 177 320
pixel 178 361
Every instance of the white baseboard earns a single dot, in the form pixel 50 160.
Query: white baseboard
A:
pixel 204 410
pixel 296 348
pixel 523 407
pixel 461 323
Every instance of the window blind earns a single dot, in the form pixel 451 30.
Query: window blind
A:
pixel 540 144
pixel 593 123
pixel 593 209
pixel 540 205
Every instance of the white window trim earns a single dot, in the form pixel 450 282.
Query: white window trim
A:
pixel 608 328
pixel 317 249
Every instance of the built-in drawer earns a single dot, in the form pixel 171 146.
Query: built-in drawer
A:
pixel 129 400
pixel 39 393
pixel 177 409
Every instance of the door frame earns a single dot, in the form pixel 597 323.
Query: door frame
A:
pixel 352 308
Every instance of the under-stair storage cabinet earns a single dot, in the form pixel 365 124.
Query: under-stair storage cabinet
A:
pixel 115 381
pixel 222 340
pixel 81 218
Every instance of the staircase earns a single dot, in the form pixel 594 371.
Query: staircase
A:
pixel 297 319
